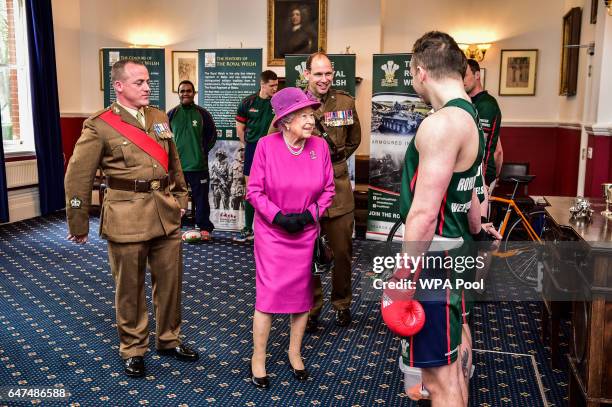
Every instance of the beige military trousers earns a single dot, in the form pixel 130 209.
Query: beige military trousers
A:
pixel 128 262
pixel 339 230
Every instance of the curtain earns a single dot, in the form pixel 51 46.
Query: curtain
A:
pixel 4 209
pixel 45 105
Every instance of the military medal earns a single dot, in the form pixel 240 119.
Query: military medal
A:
pixel 162 130
pixel 339 118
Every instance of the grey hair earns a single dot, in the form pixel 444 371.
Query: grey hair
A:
pixel 282 122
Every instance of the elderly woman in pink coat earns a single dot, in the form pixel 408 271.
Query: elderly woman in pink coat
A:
pixel 291 179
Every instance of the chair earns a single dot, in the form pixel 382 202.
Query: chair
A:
pixel 510 170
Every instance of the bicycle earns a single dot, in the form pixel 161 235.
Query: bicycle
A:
pixel 518 249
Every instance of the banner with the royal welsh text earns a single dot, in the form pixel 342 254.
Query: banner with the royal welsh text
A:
pixel 344 79
pixel 397 112
pixel 153 58
pixel 227 76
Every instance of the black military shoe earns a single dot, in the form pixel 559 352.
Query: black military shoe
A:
pixel 343 317
pixel 312 326
pixel 134 366
pixel 180 352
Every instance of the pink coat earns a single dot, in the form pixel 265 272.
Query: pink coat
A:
pixel 281 181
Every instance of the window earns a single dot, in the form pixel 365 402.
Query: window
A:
pixel 15 105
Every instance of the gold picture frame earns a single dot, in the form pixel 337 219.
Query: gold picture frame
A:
pixel 518 72
pixel 483 77
pixel 184 67
pixel 568 84
pixel 101 65
pixel 295 28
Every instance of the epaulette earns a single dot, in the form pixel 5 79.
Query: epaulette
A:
pixel 153 108
pixel 99 112
pixel 344 93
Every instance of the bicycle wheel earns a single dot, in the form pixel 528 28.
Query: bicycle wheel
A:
pixel 520 251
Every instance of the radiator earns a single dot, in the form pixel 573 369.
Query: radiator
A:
pixel 21 173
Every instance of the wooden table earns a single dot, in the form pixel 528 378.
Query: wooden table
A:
pixel 590 359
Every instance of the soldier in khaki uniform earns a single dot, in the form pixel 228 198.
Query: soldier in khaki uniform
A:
pixel 338 123
pixel 141 214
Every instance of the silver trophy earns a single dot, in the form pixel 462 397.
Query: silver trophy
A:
pixel 581 209
pixel 607 191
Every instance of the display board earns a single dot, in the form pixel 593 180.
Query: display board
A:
pixel 397 112
pixel 344 79
pixel 155 61
pixel 226 76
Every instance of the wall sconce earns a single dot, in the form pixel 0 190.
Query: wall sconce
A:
pixel 608 4
pixel 475 51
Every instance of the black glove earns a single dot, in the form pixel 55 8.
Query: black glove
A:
pixel 304 218
pixel 288 222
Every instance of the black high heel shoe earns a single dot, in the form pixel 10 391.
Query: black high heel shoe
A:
pixel 259 382
pixel 300 375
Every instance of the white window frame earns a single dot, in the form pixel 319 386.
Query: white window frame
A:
pixel 26 143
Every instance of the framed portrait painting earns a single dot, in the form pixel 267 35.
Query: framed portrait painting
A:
pixel 517 73
pixel 295 27
pixel 101 66
pixel 184 67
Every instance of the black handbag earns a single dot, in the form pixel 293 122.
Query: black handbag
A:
pixel 323 257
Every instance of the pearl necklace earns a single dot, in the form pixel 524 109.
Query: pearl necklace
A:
pixel 292 150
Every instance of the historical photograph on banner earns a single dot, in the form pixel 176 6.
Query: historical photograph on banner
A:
pixel 154 60
pixel 344 79
pixel 227 185
pixel 397 111
pixel 226 76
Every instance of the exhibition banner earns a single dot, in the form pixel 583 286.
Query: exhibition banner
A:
pixel 344 79
pixel 154 60
pixel 226 76
pixel 397 112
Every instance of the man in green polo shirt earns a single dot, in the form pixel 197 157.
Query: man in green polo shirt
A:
pixel 490 120
pixel 252 122
pixel 194 134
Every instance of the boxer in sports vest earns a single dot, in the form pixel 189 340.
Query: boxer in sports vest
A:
pixel 439 203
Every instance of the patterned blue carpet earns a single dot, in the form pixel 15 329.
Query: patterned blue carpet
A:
pixel 57 329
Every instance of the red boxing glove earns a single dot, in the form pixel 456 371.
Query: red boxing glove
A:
pixel 403 317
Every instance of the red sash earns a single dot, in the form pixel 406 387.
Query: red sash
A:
pixel 137 136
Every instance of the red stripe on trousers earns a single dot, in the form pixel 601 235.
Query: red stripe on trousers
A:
pixel 412 351
pixel 448 340
pixel 463 307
